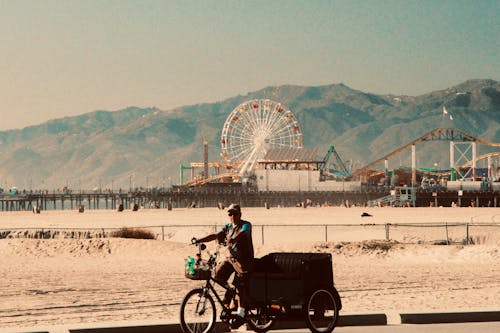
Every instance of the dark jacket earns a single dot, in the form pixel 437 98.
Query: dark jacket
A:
pixel 242 249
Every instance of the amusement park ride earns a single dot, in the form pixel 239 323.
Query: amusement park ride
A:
pixel 258 127
pixel 249 132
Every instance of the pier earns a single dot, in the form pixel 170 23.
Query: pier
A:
pixel 215 196
pixel 62 201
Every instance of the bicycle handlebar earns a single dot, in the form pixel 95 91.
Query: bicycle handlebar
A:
pixel 212 260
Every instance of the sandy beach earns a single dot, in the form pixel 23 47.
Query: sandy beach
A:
pixel 65 281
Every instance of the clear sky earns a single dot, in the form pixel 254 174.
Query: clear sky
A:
pixel 68 57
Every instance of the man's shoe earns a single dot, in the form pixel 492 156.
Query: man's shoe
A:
pixel 237 322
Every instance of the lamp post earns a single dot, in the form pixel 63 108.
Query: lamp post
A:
pixel 130 182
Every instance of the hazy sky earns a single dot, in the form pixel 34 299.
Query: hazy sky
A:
pixel 63 58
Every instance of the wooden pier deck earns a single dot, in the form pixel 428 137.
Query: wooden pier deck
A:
pixel 214 197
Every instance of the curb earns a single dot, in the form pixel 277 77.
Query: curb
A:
pixel 379 319
pixel 449 317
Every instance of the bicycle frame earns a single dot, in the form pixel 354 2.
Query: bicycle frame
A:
pixel 210 287
pixel 258 317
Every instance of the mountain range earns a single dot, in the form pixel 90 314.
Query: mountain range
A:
pixel 144 147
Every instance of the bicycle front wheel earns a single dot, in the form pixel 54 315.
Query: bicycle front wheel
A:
pixel 197 312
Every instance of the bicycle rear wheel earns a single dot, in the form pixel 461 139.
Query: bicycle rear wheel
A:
pixel 322 311
pixel 197 312
pixel 261 319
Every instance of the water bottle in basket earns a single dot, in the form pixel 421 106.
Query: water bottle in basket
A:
pixel 190 269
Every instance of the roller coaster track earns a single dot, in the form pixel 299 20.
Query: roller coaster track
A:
pixel 482 157
pixel 196 182
pixel 439 134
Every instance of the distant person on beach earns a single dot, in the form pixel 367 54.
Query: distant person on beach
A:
pixel 238 237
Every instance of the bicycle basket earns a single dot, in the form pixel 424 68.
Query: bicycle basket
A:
pixel 201 272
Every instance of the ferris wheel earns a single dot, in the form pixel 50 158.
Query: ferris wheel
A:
pixel 254 127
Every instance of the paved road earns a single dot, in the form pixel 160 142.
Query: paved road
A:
pixel 488 327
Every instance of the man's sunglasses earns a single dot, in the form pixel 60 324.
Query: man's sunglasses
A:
pixel 230 214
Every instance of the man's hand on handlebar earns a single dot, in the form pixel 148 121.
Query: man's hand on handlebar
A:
pixel 221 239
pixel 201 246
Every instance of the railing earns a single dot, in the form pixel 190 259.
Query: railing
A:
pixel 403 196
pixel 434 233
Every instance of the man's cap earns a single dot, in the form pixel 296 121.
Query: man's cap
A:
pixel 234 208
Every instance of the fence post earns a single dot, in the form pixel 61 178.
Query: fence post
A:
pixel 447 239
pixel 387 231
pixel 262 233
pixel 467 233
pixel 326 232
pixel 162 232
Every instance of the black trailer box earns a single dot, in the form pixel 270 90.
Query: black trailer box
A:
pixel 288 278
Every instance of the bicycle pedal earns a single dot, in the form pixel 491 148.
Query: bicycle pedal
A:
pixel 237 322
pixel 225 316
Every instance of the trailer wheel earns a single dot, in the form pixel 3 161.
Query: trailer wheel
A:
pixel 322 311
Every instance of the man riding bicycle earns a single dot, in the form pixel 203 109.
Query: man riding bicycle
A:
pixel 238 237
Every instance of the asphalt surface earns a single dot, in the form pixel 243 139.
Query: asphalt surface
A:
pixel 487 327
pixel 484 322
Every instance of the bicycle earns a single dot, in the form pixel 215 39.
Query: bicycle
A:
pixel 198 311
pixel 285 285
